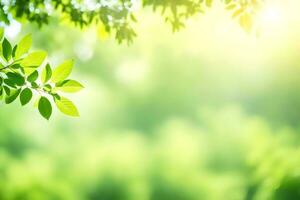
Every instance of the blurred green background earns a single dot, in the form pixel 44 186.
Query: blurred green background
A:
pixel 209 113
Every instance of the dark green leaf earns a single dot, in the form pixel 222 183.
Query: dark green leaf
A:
pixel 45 108
pixel 15 78
pixel 6 49
pixel 7 90
pixel 13 95
pixel 33 76
pixel 25 96
pixel 14 51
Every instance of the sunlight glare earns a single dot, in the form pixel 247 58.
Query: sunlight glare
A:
pixel 271 17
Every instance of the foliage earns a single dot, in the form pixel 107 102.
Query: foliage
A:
pixel 185 161
pixel 118 16
pixel 21 77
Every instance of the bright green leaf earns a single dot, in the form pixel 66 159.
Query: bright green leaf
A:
pixel 66 106
pixel 23 46
pixel 36 102
pixel 62 72
pixel 1 33
pixel 46 74
pixel 69 86
pixel 34 60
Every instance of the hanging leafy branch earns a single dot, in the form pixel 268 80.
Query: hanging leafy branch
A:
pixel 118 16
pixel 26 75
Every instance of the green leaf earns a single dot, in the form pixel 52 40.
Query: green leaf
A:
pixel 66 106
pixel 23 46
pixel 47 87
pixel 33 76
pixel 69 86
pixel 34 60
pixel 46 74
pixel 25 96
pixel 7 90
pixel 62 72
pixel 6 49
pixel 15 79
pixel 1 93
pixel 34 85
pixel 14 51
pixel 1 33
pixel 45 108
pixel 13 95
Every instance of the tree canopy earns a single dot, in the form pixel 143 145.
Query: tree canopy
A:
pixel 118 16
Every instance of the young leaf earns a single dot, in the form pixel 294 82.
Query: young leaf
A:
pixel 13 95
pixel 66 106
pixel 25 96
pixel 62 72
pixel 46 74
pixel 69 86
pixel 6 49
pixel 34 60
pixel 23 46
pixel 45 108
pixel 33 76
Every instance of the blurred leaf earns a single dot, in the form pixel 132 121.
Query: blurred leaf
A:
pixel 102 32
pixel 208 3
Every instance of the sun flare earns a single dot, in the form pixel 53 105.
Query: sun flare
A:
pixel 271 15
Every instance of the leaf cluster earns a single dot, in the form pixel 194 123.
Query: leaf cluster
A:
pixel 25 75
pixel 118 16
